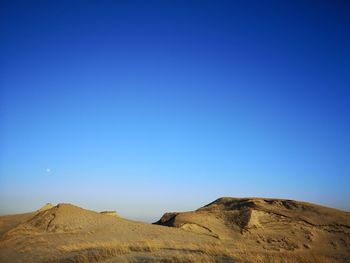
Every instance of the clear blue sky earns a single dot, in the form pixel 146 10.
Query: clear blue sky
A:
pixel 154 106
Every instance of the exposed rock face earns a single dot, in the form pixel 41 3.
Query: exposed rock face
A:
pixel 276 224
pixel 109 213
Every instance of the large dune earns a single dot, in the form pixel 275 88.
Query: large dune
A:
pixel 226 230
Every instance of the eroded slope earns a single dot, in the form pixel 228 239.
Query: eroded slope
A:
pixel 269 224
pixel 67 233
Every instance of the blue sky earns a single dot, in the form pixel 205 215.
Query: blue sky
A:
pixel 154 106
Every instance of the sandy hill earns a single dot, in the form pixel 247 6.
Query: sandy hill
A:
pixel 274 224
pixel 226 230
pixel 67 218
pixel 11 221
pixel 67 233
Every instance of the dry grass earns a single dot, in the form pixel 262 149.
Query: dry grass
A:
pixel 287 257
pixel 120 247
pixel 182 252
pixel 71 234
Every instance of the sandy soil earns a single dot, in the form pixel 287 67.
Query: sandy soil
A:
pixel 227 230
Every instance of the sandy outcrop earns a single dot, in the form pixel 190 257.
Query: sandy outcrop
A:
pixel 109 213
pixel 45 207
pixel 274 224
pixel 68 233
pixel 67 218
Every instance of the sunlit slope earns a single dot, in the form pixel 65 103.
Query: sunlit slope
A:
pixel 226 230
pixel 68 232
pixel 271 224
